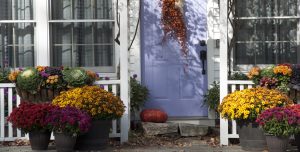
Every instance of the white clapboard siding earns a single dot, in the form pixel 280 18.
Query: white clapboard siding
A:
pixel 7 103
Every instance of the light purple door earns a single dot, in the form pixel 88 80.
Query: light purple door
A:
pixel 174 87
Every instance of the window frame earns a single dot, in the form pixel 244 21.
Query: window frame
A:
pixel 106 70
pixel 246 67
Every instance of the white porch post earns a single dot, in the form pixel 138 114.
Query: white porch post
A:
pixel 124 71
pixel 42 33
pixel 223 66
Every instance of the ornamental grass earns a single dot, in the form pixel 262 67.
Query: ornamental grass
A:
pixel 97 102
pixel 247 104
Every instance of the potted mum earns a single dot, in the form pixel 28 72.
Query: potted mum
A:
pixel 42 83
pixel 279 123
pixel 31 118
pixel 244 106
pixel 101 105
pixel 67 124
pixel 272 77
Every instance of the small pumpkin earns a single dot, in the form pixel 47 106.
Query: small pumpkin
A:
pixel 153 115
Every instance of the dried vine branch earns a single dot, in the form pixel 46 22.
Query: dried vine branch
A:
pixel 173 23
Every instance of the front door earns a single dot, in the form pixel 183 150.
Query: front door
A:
pixel 176 83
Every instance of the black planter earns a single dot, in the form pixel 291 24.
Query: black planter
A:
pixel 252 138
pixel 277 144
pixel 96 138
pixel 64 142
pixel 297 139
pixel 39 140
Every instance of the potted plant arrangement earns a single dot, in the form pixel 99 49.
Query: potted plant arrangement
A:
pixel 101 105
pixel 67 124
pixel 244 106
pixel 272 77
pixel 42 83
pixel 279 123
pixel 31 118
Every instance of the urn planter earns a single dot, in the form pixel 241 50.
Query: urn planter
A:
pixel 96 138
pixel 297 139
pixel 252 138
pixel 39 140
pixel 64 142
pixel 277 143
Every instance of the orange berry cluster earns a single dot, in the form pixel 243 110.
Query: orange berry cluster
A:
pixel 52 79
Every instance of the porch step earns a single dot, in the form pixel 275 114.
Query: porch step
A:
pixel 187 130
pixel 183 129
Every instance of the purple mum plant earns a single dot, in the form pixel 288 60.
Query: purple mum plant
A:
pixel 69 120
pixel 279 121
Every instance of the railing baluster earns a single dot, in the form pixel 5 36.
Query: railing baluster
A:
pixel 233 87
pixel 10 107
pixel 114 89
pixel 18 103
pixel 242 87
pixel 2 106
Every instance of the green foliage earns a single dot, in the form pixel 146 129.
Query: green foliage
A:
pixel 238 76
pixel 4 76
pixel 268 72
pixel 138 94
pixel 29 80
pixel 75 77
pixel 212 98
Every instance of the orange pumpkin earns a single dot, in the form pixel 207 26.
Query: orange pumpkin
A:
pixel 153 115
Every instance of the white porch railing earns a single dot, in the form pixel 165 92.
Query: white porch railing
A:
pixel 9 100
pixel 231 130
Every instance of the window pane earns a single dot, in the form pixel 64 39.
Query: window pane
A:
pixel 266 53
pixel 18 56
pixel 16 10
pixel 82 44
pixel 16 44
pixel 266 8
pixel 81 9
pixel 267 30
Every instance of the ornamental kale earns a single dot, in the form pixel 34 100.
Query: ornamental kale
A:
pixel 75 77
pixel 29 80
pixel 69 120
pixel 280 121
pixel 29 117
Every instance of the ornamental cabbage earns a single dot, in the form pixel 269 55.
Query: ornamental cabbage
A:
pixel 29 80
pixel 75 77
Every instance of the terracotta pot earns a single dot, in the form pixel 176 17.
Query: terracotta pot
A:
pixel 64 142
pixel 96 138
pixel 39 140
pixel 277 144
pixel 252 138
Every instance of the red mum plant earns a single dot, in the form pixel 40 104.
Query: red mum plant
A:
pixel 280 121
pixel 30 117
pixel 68 120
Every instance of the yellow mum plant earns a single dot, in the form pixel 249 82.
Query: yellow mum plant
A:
pixel 247 104
pixel 100 104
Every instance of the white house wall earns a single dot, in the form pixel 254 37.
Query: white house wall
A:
pixel 135 53
pixel 213 51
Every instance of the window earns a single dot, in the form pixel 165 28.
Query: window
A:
pixel 268 32
pixel 16 33
pixel 82 33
